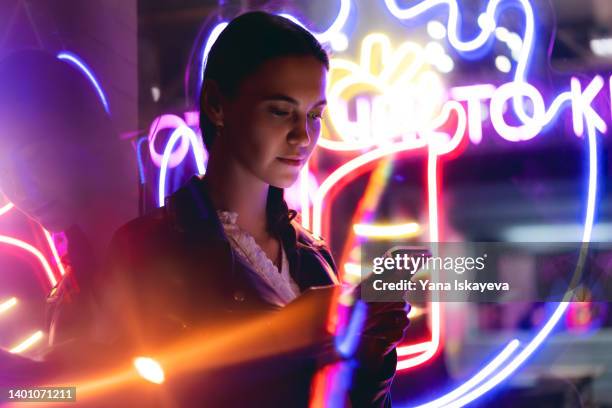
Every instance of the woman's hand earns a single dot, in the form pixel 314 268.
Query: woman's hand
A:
pixel 383 329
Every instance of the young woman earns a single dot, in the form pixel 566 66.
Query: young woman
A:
pixel 226 246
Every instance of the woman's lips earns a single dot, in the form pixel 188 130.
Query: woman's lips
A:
pixel 291 161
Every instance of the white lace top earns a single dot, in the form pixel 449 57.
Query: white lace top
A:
pixel 274 287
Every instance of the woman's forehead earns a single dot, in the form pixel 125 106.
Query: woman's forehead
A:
pixel 302 78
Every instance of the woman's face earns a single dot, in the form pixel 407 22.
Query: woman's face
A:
pixel 273 123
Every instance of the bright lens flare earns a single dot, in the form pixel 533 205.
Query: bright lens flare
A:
pixel 6 305
pixel 27 343
pixel 149 369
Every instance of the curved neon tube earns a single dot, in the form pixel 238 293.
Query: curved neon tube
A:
pixel 481 39
pixel 29 248
pixel 515 363
pixel 305 196
pixel 80 64
pixel 338 24
pixel 53 249
pixel 476 379
pixel 431 347
pixel 345 169
pixel 160 123
pixel 212 37
pixel 141 170
pixel 179 133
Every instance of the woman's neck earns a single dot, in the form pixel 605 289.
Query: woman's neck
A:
pixel 234 188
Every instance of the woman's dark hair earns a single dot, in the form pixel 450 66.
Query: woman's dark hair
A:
pixel 247 42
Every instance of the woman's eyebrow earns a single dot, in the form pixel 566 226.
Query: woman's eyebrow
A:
pixel 287 98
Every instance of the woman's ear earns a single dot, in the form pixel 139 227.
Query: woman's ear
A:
pixel 211 102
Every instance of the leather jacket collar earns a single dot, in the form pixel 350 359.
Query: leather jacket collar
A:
pixel 191 211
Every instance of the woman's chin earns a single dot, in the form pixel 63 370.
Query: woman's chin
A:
pixel 284 182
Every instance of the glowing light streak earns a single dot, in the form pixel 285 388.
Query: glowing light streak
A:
pixel 141 171
pixel 349 167
pixel 592 191
pixel 8 304
pixel 346 343
pixel 212 37
pixel 476 379
pixel 387 231
pixel 439 142
pixel 305 196
pixel 27 343
pixel 164 122
pixel 336 27
pixel 581 105
pixel 530 128
pixel 429 347
pixel 6 208
pixel 366 207
pixel 56 257
pixel 488 27
pixel 182 132
pixel 80 64
pixel 473 96
pixel 413 349
pixel 396 77
pixel 515 363
pixel 29 248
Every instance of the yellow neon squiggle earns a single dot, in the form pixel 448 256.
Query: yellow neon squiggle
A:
pixel 391 76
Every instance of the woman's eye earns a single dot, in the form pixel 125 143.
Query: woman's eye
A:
pixel 279 112
pixel 315 115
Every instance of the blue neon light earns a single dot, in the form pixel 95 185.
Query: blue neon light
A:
pixel 80 64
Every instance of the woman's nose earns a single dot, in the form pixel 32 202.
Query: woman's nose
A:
pixel 299 134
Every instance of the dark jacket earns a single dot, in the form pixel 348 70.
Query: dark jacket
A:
pixel 173 272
